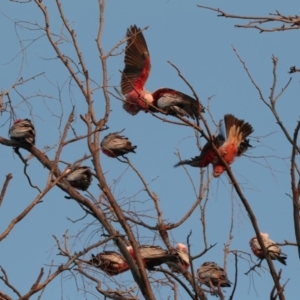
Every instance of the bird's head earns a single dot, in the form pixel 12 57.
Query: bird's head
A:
pixel 148 97
pixel 264 235
pixel 129 249
pixel 218 170
pixel 18 121
pixel 131 108
pixel 181 247
pixel 251 240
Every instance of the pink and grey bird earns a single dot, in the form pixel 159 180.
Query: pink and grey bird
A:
pixel 80 177
pixel 111 262
pixel 134 77
pixel 273 250
pixel 210 274
pixel 235 145
pixel 153 256
pixel 114 145
pixel 23 131
pixel 182 251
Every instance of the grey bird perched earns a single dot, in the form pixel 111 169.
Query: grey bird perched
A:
pixel 80 177
pixel 114 145
pixel 210 274
pixel 23 131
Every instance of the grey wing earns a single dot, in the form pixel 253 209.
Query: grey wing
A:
pixel 152 251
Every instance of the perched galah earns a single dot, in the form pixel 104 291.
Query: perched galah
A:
pixel 210 274
pixel 134 76
pixel 80 177
pixel 23 131
pixel 111 262
pixel 114 145
pixel 274 251
pixel 183 256
pixel 236 144
pixel 153 256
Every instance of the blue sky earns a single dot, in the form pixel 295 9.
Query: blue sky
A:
pixel 200 44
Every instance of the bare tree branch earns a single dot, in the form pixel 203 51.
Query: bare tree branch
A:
pixel 4 187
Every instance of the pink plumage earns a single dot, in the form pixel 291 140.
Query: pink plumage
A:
pixel 235 144
pixel 134 77
pixel 274 250
pixel 111 262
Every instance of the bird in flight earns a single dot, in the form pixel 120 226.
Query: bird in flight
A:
pixel 235 145
pixel 134 77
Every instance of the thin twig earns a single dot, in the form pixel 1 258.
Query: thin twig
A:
pixel 235 276
pixel 4 187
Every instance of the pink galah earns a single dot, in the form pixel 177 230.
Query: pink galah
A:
pixel 153 256
pixel 134 76
pixel 210 274
pixel 80 177
pixel 207 156
pixel 235 145
pixel 23 131
pixel 114 145
pixel 274 250
pixel 111 262
pixel 183 256
pixel 182 251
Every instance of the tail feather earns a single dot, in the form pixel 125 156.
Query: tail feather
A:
pixel 185 162
pixel 279 256
pixel 236 128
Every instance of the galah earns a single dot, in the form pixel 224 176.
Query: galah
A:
pixel 23 131
pixel 153 256
pixel 236 144
pixel 207 155
pixel 274 250
pixel 134 76
pixel 114 145
pixel 80 177
pixel 210 274
pixel 111 262
pixel 182 251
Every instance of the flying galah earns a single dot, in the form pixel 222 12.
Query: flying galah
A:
pixel 235 145
pixel 23 131
pixel 274 251
pixel 153 256
pixel 114 145
pixel 134 76
pixel 111 262
pixel 80 177
pixel 210 274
